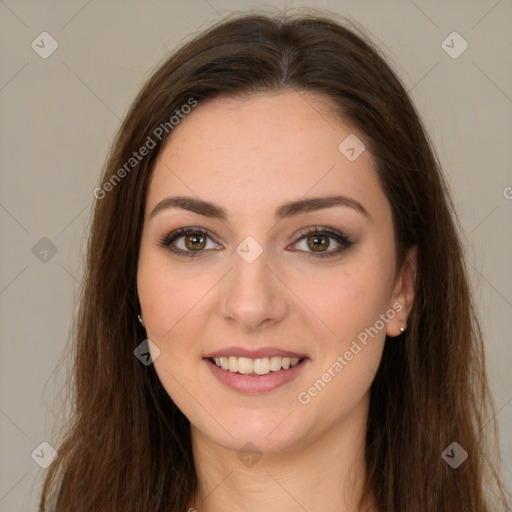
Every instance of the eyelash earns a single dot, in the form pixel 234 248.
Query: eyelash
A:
pixel 342 239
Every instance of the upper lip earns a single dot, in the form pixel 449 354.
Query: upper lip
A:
pixel 253 354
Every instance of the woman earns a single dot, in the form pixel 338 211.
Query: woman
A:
pixel 276 313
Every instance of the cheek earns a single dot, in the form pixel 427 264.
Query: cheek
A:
pixel 348 357
pixel 173 310
pixel 347 300
pixel 350 303
pixel 168 298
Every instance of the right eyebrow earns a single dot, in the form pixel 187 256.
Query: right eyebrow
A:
pixel 191 204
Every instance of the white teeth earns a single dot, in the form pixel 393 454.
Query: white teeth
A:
pixel 245 365
pixel 259 366
pixel 275 363
pixel 233 364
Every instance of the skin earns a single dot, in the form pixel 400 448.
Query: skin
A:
pixel 250 155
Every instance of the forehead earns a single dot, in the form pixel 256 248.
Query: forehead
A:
pixel 261 150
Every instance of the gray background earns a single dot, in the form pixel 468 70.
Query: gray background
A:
pixel 59 116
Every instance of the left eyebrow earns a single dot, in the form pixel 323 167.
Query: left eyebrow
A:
pixel 290 209
pixel 319 203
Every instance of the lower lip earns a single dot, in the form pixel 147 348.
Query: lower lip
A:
pixel 256 383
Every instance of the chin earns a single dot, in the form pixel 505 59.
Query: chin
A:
pixel 266 433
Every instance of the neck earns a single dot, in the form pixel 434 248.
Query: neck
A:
pixel 323 474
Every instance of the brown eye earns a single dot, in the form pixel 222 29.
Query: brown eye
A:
pixel 195 242
pixel 188 242
pixel 318 243
pixel 318 240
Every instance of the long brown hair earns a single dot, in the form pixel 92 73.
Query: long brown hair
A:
pixel 127 446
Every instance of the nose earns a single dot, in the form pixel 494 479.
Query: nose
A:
pixel 252 293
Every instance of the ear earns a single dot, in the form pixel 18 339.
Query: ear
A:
pixel 403 294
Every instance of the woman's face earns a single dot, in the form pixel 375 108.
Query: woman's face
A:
pixel 266 279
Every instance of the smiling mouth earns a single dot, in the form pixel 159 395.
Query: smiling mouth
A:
pixel 259 366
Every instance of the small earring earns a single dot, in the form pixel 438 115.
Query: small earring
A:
pixel 140 319
pixel 403 328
